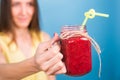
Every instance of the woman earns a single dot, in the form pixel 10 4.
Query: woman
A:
pixel 26 53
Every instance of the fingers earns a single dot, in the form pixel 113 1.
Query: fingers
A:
pixel 54 65
pixel 54 39
pixel 46 45
pixel 58 68
pixel 48 54
pixel 52 62
pixel 62 70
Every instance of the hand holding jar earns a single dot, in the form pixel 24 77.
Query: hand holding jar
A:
pixel 49 58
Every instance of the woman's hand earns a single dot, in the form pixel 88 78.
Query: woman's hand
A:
pixel 48 57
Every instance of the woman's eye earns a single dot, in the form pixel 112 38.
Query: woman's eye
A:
pixel 15 4
pixel 31 4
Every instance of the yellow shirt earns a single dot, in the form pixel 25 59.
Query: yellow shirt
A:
pixel 13 54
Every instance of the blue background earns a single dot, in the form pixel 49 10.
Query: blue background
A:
pixel 56 13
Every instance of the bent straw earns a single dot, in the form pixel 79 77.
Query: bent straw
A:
pixel 91 14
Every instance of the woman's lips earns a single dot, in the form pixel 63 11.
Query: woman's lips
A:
pixel 23 19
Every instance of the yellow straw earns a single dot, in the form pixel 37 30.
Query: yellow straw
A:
pixel 103 15
pixel 91 14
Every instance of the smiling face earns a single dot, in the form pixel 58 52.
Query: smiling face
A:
pixel 22 12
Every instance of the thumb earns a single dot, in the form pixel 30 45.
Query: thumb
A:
pixel 54 39
pixel 45 45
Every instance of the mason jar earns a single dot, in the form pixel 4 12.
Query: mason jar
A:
pixel 76 49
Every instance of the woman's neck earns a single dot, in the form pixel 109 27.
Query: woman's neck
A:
pixel 24 41
pixel 21 32
pixel 22 35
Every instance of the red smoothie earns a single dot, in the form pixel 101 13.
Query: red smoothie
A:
pixel 77 55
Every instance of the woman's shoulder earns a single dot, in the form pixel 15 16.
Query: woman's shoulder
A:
pixel 4 37
pixel 44 36
pixel 40 36
pixel 4 41
pixel 2 34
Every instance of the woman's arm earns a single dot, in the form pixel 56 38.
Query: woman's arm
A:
pixel 16 71
pixel 47 58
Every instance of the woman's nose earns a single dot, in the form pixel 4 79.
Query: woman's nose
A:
pixel 23 10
